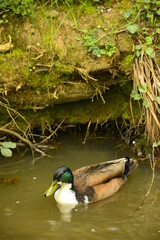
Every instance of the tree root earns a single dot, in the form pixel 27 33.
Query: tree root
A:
pixel 7 46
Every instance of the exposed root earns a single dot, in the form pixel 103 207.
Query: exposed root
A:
pixel 147 82
pixel 53 133
pixel 85 75
pixel 14 115
pixel 87 132
pixel 7 46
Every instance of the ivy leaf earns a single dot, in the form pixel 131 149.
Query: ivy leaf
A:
pixel 135 95
pixel 158 30
pixel 148 40
pixel 156 144
pixel 132 28
pixel 146 104
pixel 138 47
pixel 6 152
pixel 158 100
pixel 127 14
pixel 158 12
pixel 9 145
pixel 141 89
pixel 138 53
pixel 149 51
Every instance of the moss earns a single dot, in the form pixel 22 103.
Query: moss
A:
pixel 13 68
pixel 142 146
pixel 126 5
pixel 126 64
pixel 17 54
pixel 125 42
pixel 34 81
pixel 62 68
pixel 87 8
pixel 117 105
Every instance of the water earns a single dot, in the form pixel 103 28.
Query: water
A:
pixel 26 214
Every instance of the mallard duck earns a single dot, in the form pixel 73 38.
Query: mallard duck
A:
pixel 90 183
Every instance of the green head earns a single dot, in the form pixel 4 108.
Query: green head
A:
pixel 62 175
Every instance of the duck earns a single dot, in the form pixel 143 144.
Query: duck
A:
pixel 90 183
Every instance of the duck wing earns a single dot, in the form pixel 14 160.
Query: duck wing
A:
pixel 99 181
pixel 102 173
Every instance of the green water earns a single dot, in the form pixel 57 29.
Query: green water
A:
pixel 26 214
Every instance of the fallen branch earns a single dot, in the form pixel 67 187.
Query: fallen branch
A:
pixel 32 146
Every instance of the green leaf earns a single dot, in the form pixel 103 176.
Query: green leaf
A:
pixel 149 51
pixel 135 95
pixel 138 47
pixel 9 145
pixel 158 12
pixel 142 90
pixel 127 14
pixel 156 144
pixel 146 104
pixel 158 30
pixel 6 152
pixel 158 100
pixel 138 53
pixel 132 28
pixel 148 40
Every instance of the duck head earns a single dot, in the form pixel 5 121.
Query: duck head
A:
pixel 62 175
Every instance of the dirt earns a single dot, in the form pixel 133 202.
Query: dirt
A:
pixel 49 64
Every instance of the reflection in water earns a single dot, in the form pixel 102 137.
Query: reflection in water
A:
pixel 66 211
pixel 26 214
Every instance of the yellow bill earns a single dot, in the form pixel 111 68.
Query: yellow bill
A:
pixel 51 189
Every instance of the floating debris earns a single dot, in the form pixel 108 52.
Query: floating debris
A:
pixel 9 180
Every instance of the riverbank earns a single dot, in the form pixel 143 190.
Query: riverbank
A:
pixel 70 63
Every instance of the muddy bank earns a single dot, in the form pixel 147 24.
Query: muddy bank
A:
pixel 57 64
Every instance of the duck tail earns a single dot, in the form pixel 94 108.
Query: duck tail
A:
pixel 130 166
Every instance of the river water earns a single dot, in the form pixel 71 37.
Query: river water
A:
pixel 26 214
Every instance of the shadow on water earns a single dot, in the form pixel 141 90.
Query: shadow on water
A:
pixel 26 214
